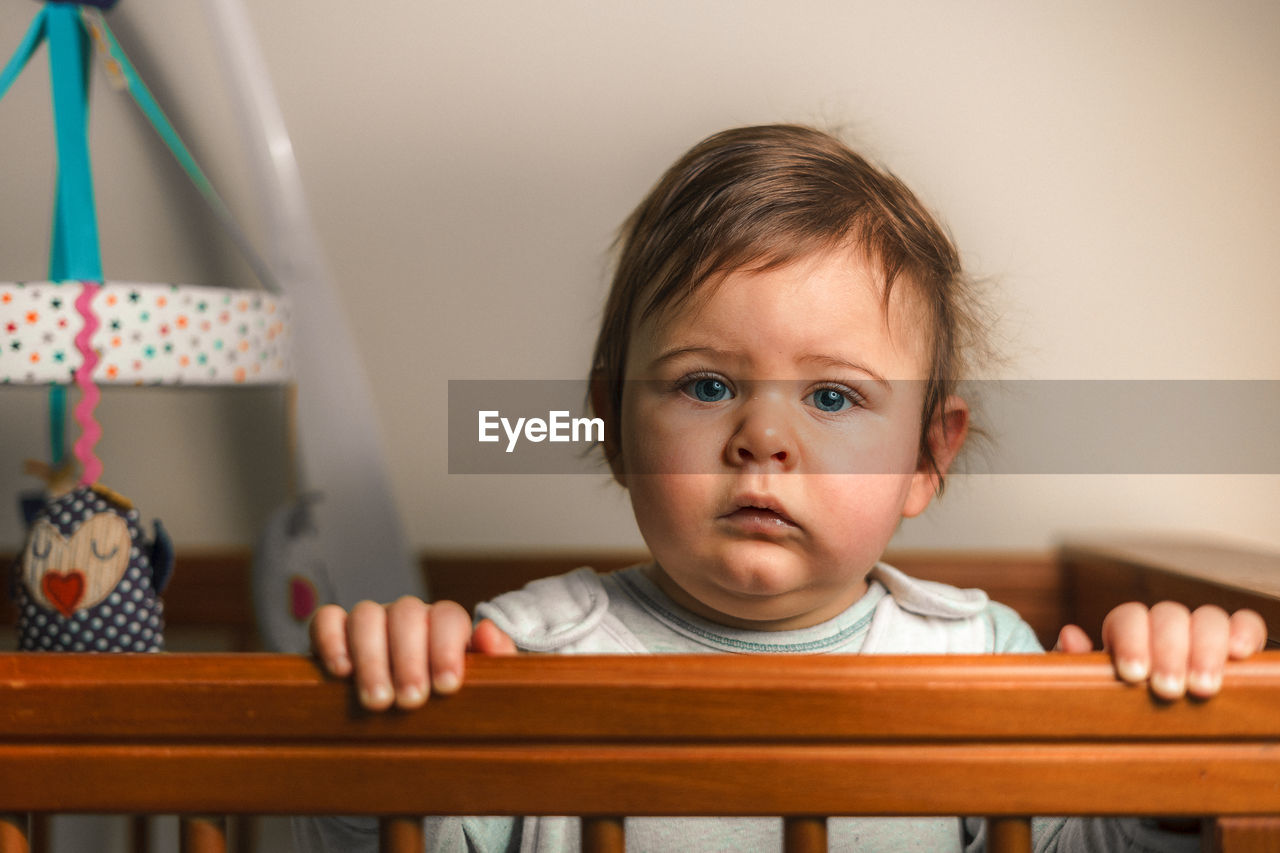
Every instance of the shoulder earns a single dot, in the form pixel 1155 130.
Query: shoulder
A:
pixel 554 614
pixel 919 616
pixel 929 598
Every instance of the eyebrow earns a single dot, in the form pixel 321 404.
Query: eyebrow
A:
pixel 677 352
pixel 842 364
pixel 827 361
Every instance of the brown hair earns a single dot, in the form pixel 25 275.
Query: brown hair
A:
pixel 759 198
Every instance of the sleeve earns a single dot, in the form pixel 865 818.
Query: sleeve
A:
pixel 1114 835
pixel 1008 634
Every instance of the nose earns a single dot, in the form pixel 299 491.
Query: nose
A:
pixel 764 436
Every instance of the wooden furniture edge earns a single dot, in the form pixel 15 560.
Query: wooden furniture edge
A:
pixel 1100 572
pixel 636 735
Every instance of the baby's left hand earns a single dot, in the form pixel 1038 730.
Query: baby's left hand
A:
pixel 1175 650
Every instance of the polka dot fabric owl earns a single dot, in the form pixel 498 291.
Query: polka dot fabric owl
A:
pixel 88 579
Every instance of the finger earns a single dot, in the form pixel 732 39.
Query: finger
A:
pixel 328 631
pixel 1127 635
pixel 489 639
pixel 1210 632
pixel 1248 634
pixel 407 650
pixel 1170 648
pixel 367 640
pixel 1073 640
pixel 449 628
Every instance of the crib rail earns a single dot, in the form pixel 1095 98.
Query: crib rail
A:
pixel 797 736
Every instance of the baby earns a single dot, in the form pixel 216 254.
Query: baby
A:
pixel 776 369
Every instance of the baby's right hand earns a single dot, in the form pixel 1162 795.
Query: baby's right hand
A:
pixel 401 652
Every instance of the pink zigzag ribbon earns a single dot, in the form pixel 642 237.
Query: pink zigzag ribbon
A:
pixel 90 429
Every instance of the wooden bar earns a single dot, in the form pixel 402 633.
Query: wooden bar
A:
pixel 13 833
pixel 637 735
pixel 400 834
pixel 1008 835
pixel 605 834
pixel 1246 835
pixel 804 834
pixel 284 700
pixel 202 834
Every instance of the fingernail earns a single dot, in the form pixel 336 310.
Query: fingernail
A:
pixel 1204 683
pixel 342 664
pixel 380 695
pixel 412 696
pixel 1169 686
pixel 1131 670
pixel 446 682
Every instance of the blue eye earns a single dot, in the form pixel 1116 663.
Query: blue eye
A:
pixel 708 390
pixel 830 400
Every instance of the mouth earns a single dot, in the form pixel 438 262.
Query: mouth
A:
pixel 759 514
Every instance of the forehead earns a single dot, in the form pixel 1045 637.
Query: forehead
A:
pixel 829 303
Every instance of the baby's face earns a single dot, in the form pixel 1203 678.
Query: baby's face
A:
pixel 770 443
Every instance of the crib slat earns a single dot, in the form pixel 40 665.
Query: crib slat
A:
pixel 140 833
pixel 1245 835
pixel 38 832
pixel 804 835
pixel 603 835
pixel 1009 835
pixel 400 834
pixel 13 833
pixel 202 834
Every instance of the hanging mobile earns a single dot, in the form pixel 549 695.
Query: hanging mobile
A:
pixel 88 578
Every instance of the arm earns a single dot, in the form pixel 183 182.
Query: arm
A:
pixel 1174 650
pixel 400 652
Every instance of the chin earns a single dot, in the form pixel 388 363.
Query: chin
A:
pixel 758 580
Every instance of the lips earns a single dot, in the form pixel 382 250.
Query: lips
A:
pixel 759 514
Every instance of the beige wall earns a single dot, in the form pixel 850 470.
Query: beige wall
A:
pixel 1111 167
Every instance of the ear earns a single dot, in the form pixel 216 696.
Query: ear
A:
pixel 946 435
pixel 602 407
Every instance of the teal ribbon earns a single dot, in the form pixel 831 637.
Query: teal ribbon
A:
pixel 75 253
pixel 57 424
pixel 151 109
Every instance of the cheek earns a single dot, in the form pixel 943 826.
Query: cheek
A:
pixel 659 439
pixel 669 500
pixel 862 511
pixel 670 511
pixel 866 446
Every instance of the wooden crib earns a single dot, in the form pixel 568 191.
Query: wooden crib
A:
pixel 796 736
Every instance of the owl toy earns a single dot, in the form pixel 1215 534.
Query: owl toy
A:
pixel 291 576
pixel 88 580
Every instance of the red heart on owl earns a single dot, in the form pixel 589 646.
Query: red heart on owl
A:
pixel 64 589
pixel 303 598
